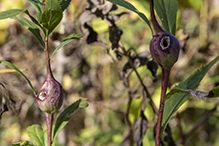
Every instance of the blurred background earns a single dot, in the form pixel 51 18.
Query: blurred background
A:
pixel 93 70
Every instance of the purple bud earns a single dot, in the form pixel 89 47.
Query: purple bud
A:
pixel 164 47
pixel 50 96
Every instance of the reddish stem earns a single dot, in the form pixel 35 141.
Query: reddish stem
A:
pixel 156 25
pixel 48 66
pixel 43 5
pixel 164 85
pixel 49 118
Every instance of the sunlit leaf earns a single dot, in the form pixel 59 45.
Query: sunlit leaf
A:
pixel 18 71
pixel 167 11
pixel 22 143
pixel 173 103
pixel 35 132
pixel 33 28
pixel 9 70
pixel 129 6
pixel 51 17
pixel 64 117
pixel 66 41
pixel 10 13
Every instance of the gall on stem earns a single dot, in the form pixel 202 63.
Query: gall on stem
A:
pixel 164 48
pixel 50 96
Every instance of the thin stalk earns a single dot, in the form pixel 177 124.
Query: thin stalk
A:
pixel 49 118
pixel 153 18
pixel 48 66
pixel 43 2
pixel 164 85
pixel 144 87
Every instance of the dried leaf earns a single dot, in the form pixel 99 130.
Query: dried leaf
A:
pixel 152 66
pixel 141 125
pixel 90 35
pixel 5 99
pixel 101 8
pixel 114 36
pixel 198 94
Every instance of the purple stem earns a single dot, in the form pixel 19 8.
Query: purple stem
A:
pixel 43 5
pixel 164 85
pixel 48 66
pixel 156 25
pixel 49 118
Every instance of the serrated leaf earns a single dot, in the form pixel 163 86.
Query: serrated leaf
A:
pixel 129 6
pixel 35 132
pixel 64 4
pixel 66 41
pixel 51 17
pixel 167 11
pixel 33 28
pixel 22 143
pixel 64 117
pixel 173 103
pixel 10 13
pixel 18 71
pixel 214 92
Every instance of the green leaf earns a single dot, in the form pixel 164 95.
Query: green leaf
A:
pixel 64 117
pixel 45 137
pixel 35 132
pixel 37 4
pixel 33 28
pixel 66 41
pixel 173 103
pixel 33 19
pixel 22 143
pixel 10 13
pixel 64 4
pixel 18 71
pixel 129 6
pixel 167 11
pixel 214 92
pixel 51 17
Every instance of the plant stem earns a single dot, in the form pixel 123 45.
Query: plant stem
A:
pixel 156 25
pixel 48 66
pixel 164 85
pixel 49 118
